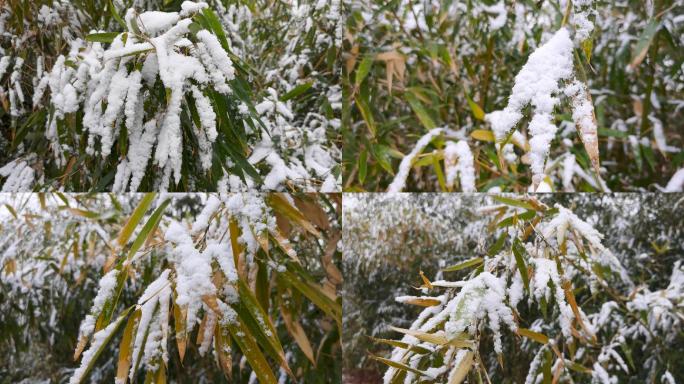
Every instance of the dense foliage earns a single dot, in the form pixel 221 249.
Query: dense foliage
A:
pixel 545 94
pixel 197 288
pixel 626 280
pixel 172 95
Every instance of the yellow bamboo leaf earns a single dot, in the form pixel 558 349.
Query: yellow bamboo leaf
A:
pixel 312 211
pixel 334 274
pixel 395 64
pixel 236 246
pixel 161 374
pixel 438 338
pixel 567 287
pixel 179 316
pixel 426 281
pixel 536 336
pixel 280 203
pixel 82 341
pixel 285 245
pixel 125 351
pixel 297 331
pixel 222 347
pixel 459 372
pixel 483 135
pixel 211 302
pixel 423 302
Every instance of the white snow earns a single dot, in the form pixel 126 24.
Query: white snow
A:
pixel 458 160
pixel 399 181
pixel 104 293
pixel 537 84
pixel 676 183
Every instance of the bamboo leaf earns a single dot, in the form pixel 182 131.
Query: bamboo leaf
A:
pixel 399 344
pixel 438 338
pixel 478 113
pixel 466 264
pixel 420 111
pixel 296 91
pixel 279 203
pixel 179 317
pixel 532 335
pixel 518 251
pixel 515 202
pixel 363 69
pixel 483 135
pixel 363 166
pixel 261 325
pixel 255 358
pixel 422 301
pixel 459 372
pixel 294 327
pixel 103 345
pixel 135 218
pixel 148 228
pixel 104 37
pixel 125 352
pixel 644 42
pixel 399 365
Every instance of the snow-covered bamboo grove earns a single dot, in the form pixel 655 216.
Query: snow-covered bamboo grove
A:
pixel 554 95
pixel 151 95
pixel 522 289
pixel 194 288
pixel 245 191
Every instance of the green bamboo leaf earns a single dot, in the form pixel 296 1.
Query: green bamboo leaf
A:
pixel 102 346
pixel 312 291
pixel 363 166
pixel 135 218
pixel 478 113
pixel 361 101
pixel 514 202
pixel 381 153
pixel 420 111
pixel 104 37
pixel 363 69
pixel 148 228
pixel 296 91
pixel 215 25
pixel 644 42
pixel 402 345
pixel 440 174
pixel 399 365
pixel 516 218
pixel 115 14
pixel 466 264
pixel 259 323
pixel 496 247
pixel 248 345
pixel 518 251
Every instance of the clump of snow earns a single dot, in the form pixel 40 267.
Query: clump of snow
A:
pixel 458 160
pixel 19 175
pixel 152 327
pixel 499 10
pixel 399 181
pixel 676 183
pixel 537 84
pixel 104 293
pixel 580 19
